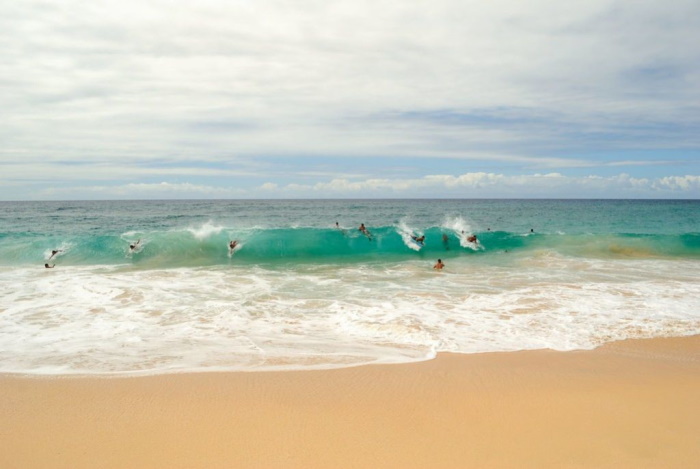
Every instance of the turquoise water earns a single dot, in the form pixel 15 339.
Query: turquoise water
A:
pixel 189 233
pixel 300 293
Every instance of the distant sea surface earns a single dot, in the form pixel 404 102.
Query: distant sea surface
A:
pixel 300 293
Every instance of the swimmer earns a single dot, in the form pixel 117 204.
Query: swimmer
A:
pixel 232 245
pixel 446 241
pixel 472 239
pixel 439 265
pixel 532 230
pixel 364 230
pixel 54 252
pixel 340 228
pixel 420 239
pixel 49 266
pixel 133 246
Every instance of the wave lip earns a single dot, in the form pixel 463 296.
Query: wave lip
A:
pixel 205 231
pixel 408 236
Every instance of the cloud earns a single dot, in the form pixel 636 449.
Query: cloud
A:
pixel 467 185
pixel 485 185
pixel 688 184
pixel 162 190
pixel 90 171
pixel 153 74
pixel 150 90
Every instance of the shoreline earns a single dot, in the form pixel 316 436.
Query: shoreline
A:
pixel 144 374
pixel 632 403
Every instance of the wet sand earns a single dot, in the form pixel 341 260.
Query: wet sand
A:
pixel 629 404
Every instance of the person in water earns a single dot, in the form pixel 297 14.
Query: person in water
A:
pixel 446 241
pixel 49 266
pixel 232 245
pixel 438 265
pixel 473 239
pixel 133 246
pixel 419 239
pixel 54 252
pixel 364 230
pixel 341 229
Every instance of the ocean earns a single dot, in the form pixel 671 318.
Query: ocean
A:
pixel 300 293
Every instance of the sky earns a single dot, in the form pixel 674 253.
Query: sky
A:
pixel 163 99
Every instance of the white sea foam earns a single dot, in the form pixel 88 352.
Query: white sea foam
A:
pixel 62 249
pixel 457 224
pixel 407 234
pixel 462 230
pixel 120 320
pixel 205 231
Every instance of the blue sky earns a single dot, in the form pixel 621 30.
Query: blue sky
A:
pixel 241 99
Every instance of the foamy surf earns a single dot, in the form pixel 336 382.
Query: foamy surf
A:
pixel 408 236
pixel 205 231
pixel 55 253
pixel 86 320
pixel 462 230
pixel 302 294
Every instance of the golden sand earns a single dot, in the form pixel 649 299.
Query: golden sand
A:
pixel 629 404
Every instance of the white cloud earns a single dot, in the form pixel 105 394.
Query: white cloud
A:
pixel 109 172
pixel 156 79
pixel 481 184
pixel 140 90
pixel 679 183
pixel 164 190
pixel 467 185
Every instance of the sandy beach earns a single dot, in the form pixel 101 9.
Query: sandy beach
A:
pixel 627 404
